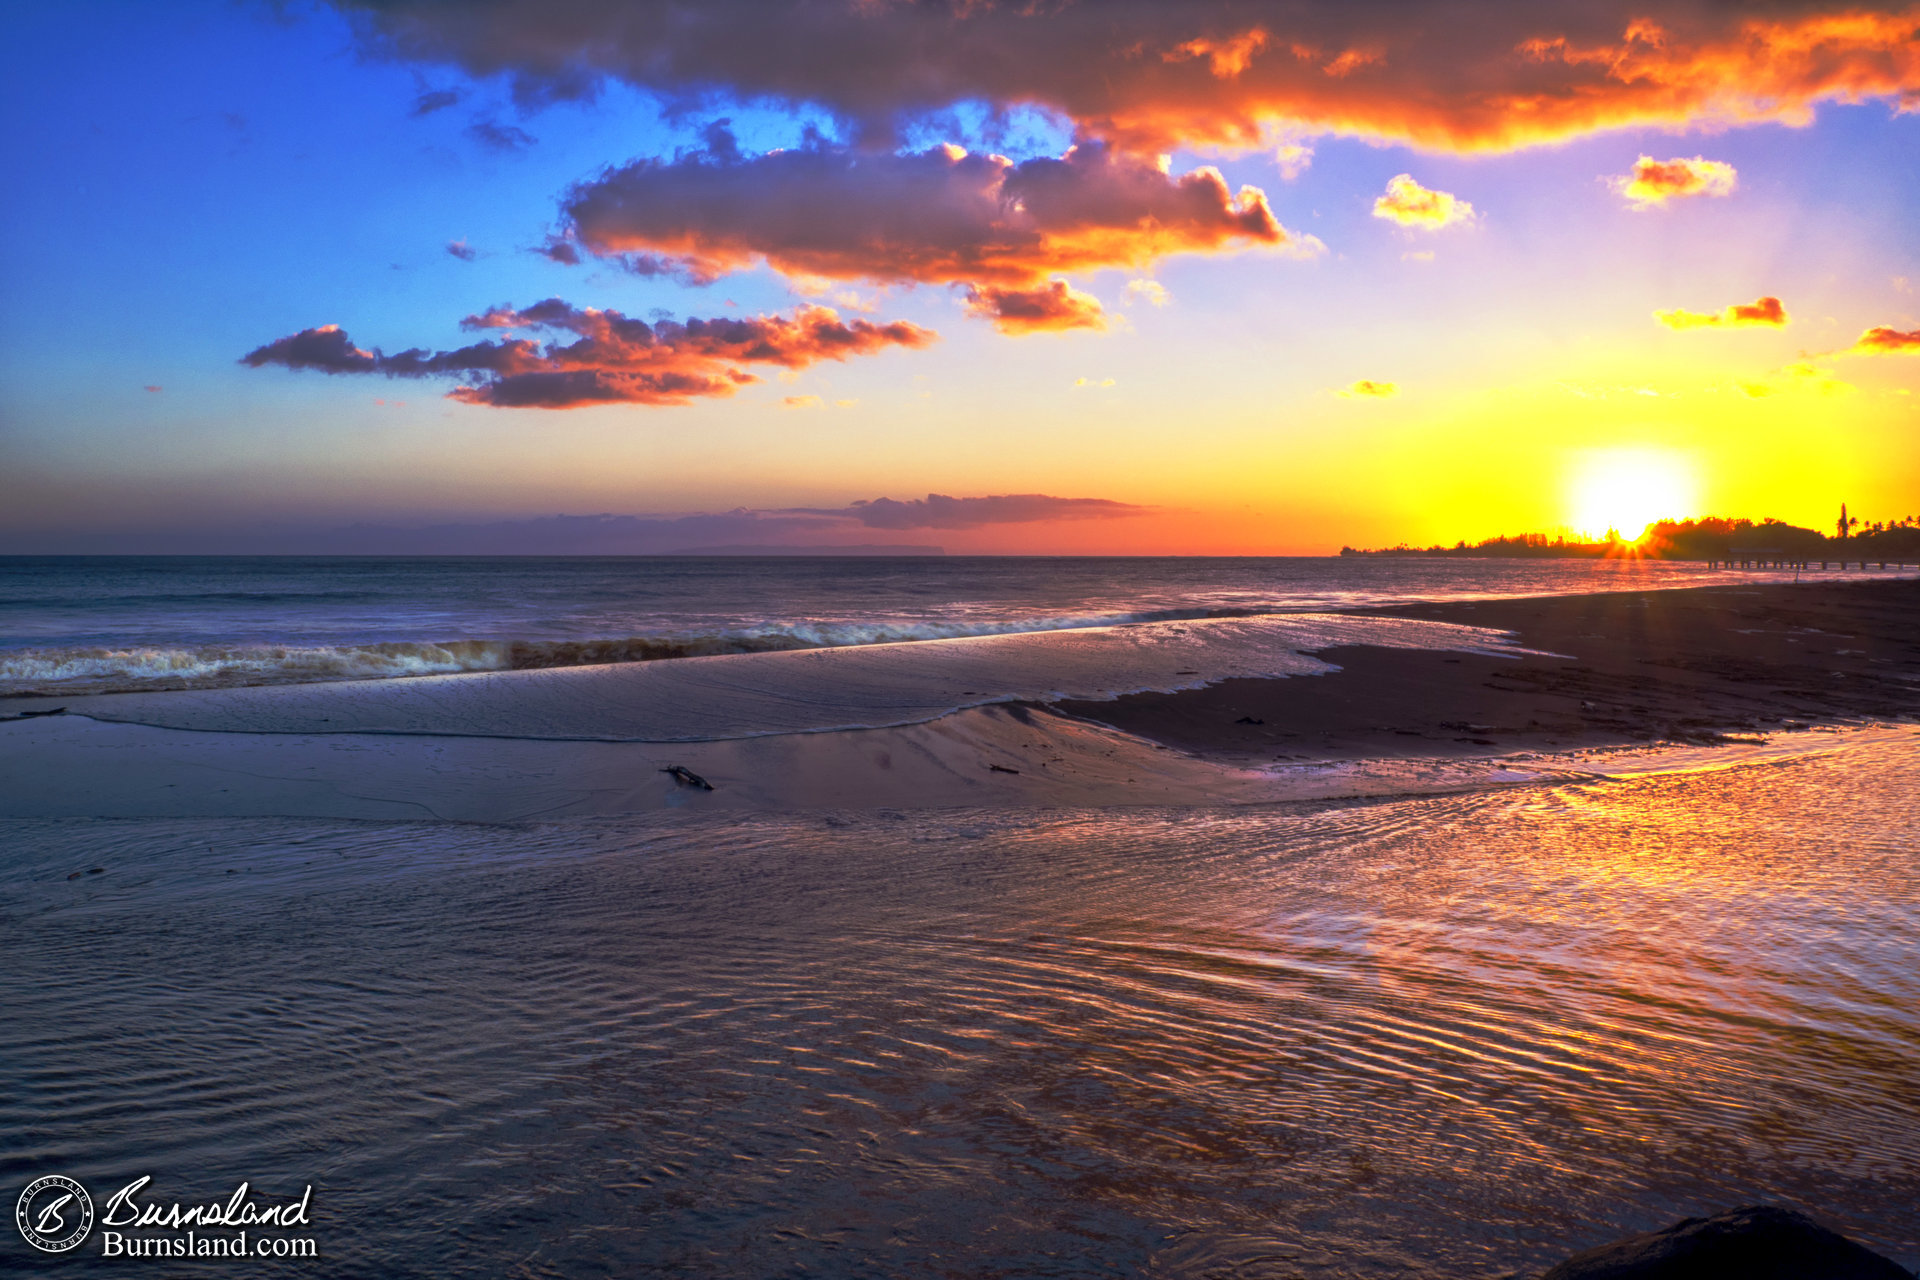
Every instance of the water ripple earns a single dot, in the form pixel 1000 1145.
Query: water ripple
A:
pixel 1439 1036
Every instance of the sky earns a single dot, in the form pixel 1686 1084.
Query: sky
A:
pixel 1219 277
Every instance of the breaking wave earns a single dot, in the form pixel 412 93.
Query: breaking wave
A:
pixel 80 670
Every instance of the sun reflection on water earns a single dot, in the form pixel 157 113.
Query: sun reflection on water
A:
pixel 1444 1035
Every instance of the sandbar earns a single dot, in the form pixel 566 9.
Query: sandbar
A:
pixel 1698 666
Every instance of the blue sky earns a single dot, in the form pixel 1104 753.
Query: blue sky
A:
pixel 192 181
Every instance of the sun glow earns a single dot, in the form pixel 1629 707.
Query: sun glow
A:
pixel 1625 490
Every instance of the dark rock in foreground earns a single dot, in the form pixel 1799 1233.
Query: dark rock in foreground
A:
pixel 1757 1243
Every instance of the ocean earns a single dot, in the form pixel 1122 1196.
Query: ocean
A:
pixel 1460 1029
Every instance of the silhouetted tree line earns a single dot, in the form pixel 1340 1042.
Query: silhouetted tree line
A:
pixel 1707 539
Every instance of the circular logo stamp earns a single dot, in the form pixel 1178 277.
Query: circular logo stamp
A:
pixel 54 1213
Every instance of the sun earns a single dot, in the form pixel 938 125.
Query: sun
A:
pixel 1625 490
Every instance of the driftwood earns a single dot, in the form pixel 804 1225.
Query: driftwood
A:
pixel 35 715
pixel 1000 768
pixel 687 777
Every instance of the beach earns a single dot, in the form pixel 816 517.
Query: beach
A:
pixel 1701 666
pixel 957 640
pixel 1002 954
pixel 1209 710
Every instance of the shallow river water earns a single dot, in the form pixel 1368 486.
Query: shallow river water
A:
pixel 1434 1036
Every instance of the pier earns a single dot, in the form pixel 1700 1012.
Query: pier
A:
pixel 1774 558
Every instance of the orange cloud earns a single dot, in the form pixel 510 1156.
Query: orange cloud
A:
pixel 1654 182
pixel 1368 389
pixel 1150 77
pixel 1225 58
pixel 1351 60
pixel 1883 341
pixel 1765 311
pixel 1801 376
pixel 614 359
pixel 940 216
pixel 1294 158
pixel 1050 308
pixel 1150 291
pixel 1412 205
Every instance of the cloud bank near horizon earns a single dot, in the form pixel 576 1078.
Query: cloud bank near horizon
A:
pixel 831 529
pixel 851 529
pixel 939 511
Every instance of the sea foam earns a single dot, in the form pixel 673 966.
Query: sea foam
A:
pixel 806 691
pixel 154 668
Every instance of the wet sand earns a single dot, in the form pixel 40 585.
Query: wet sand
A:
pixel 1704 669
pixel 1697 666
